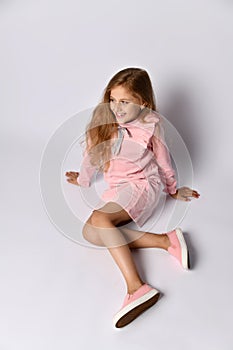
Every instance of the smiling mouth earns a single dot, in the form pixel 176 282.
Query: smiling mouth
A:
pixel 120 115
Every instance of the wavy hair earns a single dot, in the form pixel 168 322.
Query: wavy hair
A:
pixel 103 125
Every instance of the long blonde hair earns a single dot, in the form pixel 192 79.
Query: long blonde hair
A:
pixel 103 124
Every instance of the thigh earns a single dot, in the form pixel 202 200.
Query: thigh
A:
pixel 114 213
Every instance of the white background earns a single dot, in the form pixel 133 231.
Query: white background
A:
pixel 56 58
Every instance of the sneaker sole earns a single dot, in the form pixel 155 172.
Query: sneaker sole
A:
pixel 137 307
pixel 184 250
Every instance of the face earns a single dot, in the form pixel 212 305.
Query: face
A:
pixel 125 107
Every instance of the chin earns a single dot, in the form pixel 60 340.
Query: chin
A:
pixel 121 120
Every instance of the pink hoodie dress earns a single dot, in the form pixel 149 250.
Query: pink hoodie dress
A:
pixel 139 166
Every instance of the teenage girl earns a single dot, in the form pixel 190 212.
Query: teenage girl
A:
pixel 125 141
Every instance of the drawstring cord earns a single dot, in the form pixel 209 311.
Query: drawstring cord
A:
pixel 117 144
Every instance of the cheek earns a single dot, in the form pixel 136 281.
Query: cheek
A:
pixel 111 105
pixel 133 110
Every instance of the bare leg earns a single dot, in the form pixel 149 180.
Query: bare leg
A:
pixel 104 223
pixel 123 258
pixel 138 239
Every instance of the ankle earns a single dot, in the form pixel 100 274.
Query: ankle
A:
pixel 167 242
pixel 133 288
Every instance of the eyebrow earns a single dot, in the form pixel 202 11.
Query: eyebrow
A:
pixel 122 99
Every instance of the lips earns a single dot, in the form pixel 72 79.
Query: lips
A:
pixel 120 115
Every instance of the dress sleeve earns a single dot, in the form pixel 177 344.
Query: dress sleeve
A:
pixel 87 170
pixel 162 155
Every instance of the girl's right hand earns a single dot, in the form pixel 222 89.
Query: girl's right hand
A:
pixel 72 177
pixel 185 194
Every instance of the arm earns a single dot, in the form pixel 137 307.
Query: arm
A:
pixel 84 177
pixel 166 171
pixel 163 159
pixel 87 171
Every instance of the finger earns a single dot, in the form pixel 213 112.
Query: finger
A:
pixel 69 174
pixel 186 194
pixel 72 173
pixel 195 194
pixel 73 182
pixel 189 194
pixel 73 176
pixel 194 191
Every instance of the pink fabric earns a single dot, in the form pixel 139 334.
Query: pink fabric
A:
pixel 136 174
pixel 145 288
pixel 175 248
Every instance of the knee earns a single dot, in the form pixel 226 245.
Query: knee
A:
pixel 90 234
pixel 87 230
pixel 100 219
pixel 92 228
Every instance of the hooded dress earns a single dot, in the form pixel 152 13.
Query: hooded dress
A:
pixel 140 166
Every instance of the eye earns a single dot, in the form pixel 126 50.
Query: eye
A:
pixel 124 102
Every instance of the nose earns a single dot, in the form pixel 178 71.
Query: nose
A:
pixel 118 107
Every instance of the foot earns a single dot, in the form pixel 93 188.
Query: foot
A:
pixel 134 304
pixel 178 247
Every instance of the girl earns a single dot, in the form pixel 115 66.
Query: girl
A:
pixel 125 141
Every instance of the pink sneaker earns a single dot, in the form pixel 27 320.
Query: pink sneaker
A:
pixel 178 247
pixel 134 304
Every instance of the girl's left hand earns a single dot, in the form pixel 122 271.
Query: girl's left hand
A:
pixel 72 177
pixel 184 194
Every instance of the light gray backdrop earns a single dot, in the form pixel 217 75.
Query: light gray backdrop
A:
pixel 56 58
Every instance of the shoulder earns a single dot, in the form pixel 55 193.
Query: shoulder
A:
pixel 150 122
pixel 152 118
